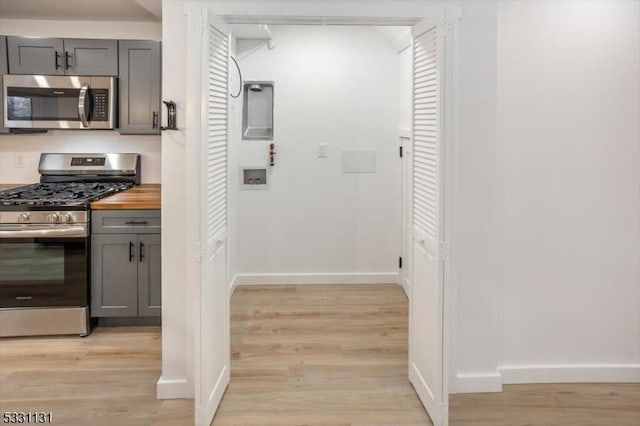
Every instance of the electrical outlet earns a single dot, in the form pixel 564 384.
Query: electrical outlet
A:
pixel 323 150
pixel 18 161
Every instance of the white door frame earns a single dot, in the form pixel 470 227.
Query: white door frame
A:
pixel 450 137
pixel 405 140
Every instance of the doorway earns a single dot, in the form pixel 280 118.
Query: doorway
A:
pixel 328 210
pixel 428 358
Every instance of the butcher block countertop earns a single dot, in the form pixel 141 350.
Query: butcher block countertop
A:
pixel 6 186
pixel 141 197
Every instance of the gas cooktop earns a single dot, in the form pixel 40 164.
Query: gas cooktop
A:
pixel 67 195
pixel 72 181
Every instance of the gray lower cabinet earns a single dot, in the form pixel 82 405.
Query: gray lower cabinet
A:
pixel 125 266
pixel 149 267
pixel 56 56
pixel 139 86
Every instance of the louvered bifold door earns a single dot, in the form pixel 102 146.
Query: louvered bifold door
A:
pixel 212 376
pixel 426 368
pixel 216 134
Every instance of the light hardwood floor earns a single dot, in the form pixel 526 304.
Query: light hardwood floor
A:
pixel 322 355
pixel 301 355
pixel 106 379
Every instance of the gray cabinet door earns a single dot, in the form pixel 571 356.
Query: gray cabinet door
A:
pixel 35 55
pixel 90 57
pixel 114 275
pixel 149 275
pixel 4 69
pixel 139 87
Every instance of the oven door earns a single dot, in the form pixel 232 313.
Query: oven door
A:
pixel 43 271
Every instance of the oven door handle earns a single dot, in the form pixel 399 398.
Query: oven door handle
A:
pixel 51 232
pixel 83 103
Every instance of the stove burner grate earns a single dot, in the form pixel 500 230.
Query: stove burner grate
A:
pixel 61 194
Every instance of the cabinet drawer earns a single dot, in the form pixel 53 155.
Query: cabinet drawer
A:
pixel 125 221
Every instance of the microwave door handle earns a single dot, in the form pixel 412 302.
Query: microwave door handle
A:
pixel 83 102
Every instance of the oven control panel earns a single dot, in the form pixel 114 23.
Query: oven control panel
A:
pixel 42 217
pixel 87 161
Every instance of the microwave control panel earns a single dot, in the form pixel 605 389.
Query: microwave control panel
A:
pixel 100 105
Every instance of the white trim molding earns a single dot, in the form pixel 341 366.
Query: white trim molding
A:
pixel 570 373
pixel 406 286
pixel 549 373
pixel 213 399
pixel 477 382
pixel 174 388
pixel 317 278
pixel 232 285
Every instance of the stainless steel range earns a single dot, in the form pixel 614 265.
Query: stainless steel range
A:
pixel 44 241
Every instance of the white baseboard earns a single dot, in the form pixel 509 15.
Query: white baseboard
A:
pixel 570 373
pixel 173 388
pixel 320 278
pixel 561 373
pixel 478 383
pixel 233 285
pixel 406 287
pixel 205 414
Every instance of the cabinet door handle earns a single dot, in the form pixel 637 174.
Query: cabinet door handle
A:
pixel 141 255
pixel 155 119
pixel 57 56
pixel 66 60
pixel 136 222
pixel 131 251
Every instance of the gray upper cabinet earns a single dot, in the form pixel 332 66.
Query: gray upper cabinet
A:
pixel 35 55
pixel 51 56
pixel 139 87
pixel 91 57
pixel 4 69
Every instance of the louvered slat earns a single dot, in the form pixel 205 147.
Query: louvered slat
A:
pixel 425 132
pixel 217 132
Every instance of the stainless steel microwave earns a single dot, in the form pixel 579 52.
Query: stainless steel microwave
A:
pixel 59 102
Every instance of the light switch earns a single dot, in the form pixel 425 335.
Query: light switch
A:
pixel 323 150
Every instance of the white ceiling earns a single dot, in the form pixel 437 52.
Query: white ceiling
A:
pixel 131 10
pixel 85 10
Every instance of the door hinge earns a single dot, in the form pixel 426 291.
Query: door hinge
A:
pixel 400 152
pixel 198 252
pixel 400 262
pixel 444 250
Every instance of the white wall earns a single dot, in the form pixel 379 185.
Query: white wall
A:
pixel 474 277
pixel 81 29
pixel 569 177
pixel 546 241
pixel 177 334
pixel 332 85
pixel 29 146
